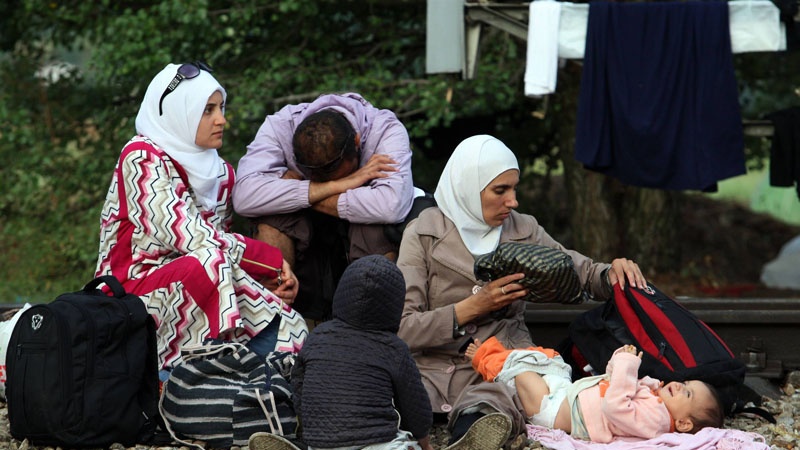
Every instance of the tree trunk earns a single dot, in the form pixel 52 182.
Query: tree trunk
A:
pixel 610 220
pixel 652 228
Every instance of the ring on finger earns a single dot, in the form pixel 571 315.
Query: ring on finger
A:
pixel 503 290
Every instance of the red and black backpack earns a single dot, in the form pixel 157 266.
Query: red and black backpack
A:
pixel 675 343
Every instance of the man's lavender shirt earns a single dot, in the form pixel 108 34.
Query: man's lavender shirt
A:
pixel 260 190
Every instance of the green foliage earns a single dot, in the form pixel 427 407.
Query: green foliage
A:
pixel 62 135
pixel 767 83
pixel 60 138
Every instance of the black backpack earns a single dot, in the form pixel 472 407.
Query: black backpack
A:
pixel 83 370
pixel 675 343
pixel 394 231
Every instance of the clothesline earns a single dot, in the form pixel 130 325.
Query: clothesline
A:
pixel 557 30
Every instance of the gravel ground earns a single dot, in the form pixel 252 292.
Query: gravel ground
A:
pixel 783 435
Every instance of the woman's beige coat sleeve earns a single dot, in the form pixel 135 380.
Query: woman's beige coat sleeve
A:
pixel 421 327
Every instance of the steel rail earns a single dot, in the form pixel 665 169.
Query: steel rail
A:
pixel 763 332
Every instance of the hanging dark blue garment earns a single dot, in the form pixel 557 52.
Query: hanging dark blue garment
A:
pixel 784 154
pixel 659 105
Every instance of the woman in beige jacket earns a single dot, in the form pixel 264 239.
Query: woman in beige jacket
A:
pixel 446 305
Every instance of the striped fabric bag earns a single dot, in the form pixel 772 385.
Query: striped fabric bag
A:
pixel 221 393
pixel 550 275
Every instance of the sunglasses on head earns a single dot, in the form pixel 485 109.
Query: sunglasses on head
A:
pixel 186 71
pixel 329 166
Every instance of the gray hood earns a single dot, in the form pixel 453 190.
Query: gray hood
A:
pixel 370 295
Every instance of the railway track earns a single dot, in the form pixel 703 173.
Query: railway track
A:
pixel 763 332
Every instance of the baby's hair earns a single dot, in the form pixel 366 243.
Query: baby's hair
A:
pixel 712 416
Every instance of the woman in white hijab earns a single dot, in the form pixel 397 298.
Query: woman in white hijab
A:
pixel 446 306
pixel 165 228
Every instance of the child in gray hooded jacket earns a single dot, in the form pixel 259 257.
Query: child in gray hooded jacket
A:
pixel 356 384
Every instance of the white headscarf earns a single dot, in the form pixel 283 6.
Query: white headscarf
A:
pixel 176 130
pixel 473 165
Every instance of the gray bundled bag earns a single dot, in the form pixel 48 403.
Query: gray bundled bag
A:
pixel 550 275
pixel 221 393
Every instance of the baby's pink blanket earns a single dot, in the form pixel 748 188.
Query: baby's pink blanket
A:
pixel 705 439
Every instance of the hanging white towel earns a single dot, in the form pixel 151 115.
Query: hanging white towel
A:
pixel 756 26
pixel 541 69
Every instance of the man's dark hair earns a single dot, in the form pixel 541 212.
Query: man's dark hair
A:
pixel 323 136
pixel 713 416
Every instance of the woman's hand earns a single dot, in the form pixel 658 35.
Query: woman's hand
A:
pixel 621 269
pixel 285 285
pixel 287 290
pixel 491 297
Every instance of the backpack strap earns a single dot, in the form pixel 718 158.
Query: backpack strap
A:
pixel 753 410
pixel 109 280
